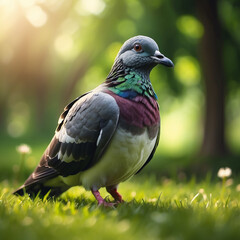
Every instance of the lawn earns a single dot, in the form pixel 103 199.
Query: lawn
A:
pixel 153 209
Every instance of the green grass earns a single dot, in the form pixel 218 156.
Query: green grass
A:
pixel 153 210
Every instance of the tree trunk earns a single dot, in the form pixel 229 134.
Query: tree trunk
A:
pixel 213 75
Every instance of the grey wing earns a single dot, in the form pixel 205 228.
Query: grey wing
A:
pixel 85 129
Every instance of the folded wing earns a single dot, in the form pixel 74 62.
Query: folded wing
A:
pixel 85 128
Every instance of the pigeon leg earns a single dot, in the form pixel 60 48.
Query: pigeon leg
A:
pixel 100 200
pixel 115 194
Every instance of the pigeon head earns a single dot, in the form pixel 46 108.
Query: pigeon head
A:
pixel 141 52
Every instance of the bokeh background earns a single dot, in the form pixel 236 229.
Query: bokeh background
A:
pixel 52 51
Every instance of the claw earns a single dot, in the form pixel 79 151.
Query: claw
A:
pixel 115 194
pixel 101 201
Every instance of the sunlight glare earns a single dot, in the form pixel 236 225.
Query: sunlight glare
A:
pixel 63 46
pixel 8 5
pixel 85 7
pixel 27 3
pixel 6 2
pixel 30 3
pixel 36 16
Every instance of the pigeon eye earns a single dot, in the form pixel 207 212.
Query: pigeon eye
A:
pixel 137 47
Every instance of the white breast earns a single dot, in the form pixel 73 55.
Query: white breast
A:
pixel 126 154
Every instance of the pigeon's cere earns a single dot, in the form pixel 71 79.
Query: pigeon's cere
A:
pixel 108 134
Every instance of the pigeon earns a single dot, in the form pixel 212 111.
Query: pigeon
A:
pixel 106 135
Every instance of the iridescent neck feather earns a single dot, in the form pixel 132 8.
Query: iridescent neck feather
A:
pixel 129 83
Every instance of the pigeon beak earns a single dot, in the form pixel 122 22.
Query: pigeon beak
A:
pixel 159 58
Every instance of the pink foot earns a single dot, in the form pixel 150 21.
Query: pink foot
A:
pixel 101 201
pixel 115 194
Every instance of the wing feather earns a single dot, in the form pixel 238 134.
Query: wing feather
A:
pixel 84 130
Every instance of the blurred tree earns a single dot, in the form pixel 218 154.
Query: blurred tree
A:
pixel 214 143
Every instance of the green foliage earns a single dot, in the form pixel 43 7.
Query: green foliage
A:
pixel 65 48
pixel 153 210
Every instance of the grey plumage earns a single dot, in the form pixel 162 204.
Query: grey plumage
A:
pixel 99 141
pixel 81 140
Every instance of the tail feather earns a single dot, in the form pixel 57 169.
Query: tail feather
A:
pixel 35 185
pixel 39 190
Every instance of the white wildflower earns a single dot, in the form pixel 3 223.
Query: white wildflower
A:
pixel 24 149
pixel 224 172
pixel 201 190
